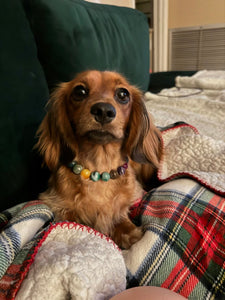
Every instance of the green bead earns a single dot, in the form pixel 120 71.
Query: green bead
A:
pixel 105 176
pixel 77 169
pixel 95 176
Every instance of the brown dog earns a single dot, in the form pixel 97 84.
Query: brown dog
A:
pixel 94 124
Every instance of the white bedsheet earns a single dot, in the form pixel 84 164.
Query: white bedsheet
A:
pixel 198 100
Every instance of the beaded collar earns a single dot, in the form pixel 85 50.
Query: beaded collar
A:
pixel 78 169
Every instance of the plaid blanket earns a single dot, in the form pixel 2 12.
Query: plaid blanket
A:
pixel 39 259
pixel 21 229
pixel 183 248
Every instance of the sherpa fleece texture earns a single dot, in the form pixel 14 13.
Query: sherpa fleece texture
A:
pixel 190 154
pixel 74 262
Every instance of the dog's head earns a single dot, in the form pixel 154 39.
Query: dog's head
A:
pixel 97 108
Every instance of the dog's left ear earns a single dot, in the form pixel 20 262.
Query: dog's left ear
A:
pixel 143 140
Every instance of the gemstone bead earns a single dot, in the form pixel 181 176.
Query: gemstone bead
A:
pixel 95 176
pixel 105 176
pixel 125 166
pixel 113 174
pixel 85 173
pixel 77 169
pixel 121 170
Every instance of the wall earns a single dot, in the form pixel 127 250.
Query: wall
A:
pixel 127 3
pixel 186 13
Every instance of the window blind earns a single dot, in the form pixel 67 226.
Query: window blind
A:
pixel 197 48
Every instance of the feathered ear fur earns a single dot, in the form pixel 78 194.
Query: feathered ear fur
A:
pixel 55 130
pixel 143 142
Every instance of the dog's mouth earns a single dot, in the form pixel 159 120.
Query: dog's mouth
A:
pixel 100 136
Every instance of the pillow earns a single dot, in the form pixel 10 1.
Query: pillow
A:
pixel 75 35
pixel 23 95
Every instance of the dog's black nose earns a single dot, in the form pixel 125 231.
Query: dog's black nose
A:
pixel 103 112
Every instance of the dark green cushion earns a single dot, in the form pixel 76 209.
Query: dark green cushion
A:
pixel 24 92
pixel 75 35
pixel 165 80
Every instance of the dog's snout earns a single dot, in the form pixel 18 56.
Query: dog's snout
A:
pixel 103 112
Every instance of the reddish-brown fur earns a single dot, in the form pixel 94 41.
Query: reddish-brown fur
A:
pixel 64 137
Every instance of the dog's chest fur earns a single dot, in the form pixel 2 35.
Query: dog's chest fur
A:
pixel 100 205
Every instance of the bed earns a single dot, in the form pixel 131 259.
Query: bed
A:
pixel 183 248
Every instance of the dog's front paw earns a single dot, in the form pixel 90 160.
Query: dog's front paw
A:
pixel 127 240
pixel 126 234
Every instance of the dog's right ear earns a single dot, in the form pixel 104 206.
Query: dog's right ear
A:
pixel 54 129
pixel 49 141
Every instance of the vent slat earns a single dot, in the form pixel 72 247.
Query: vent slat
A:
pixel 195 49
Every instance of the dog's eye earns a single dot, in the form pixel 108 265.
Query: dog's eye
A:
pixel 122 95
pixel 80 93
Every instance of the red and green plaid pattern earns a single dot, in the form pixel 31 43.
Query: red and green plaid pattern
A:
pixel 185 233
pixel 183 248
pixel 21 229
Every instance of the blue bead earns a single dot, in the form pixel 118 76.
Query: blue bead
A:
pixel 95 176
pixel 105 176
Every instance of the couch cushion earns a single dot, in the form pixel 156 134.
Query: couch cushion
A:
pixel 165 80
pixel 75 35
pixel 24 93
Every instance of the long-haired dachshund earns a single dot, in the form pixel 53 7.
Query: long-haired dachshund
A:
pixel 97 139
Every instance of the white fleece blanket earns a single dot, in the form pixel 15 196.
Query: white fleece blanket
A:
pixel 189 154
pixel 198 100
pixel 74 262
pixel 206 80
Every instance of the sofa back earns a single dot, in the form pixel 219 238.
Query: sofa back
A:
pixel 44 42
pixel 76 35
pixel 24 92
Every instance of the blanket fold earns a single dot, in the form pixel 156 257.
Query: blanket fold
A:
pixel 74 262
pixel 210 80
pixel 187 153
pixel 183 248
pixel 40 259
pixel 21 223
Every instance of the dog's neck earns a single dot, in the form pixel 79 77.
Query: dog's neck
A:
pixel 100 157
